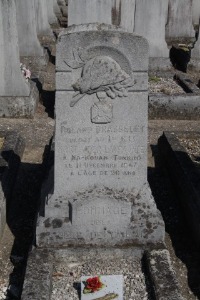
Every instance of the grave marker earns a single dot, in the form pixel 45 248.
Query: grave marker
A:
pixel 101 195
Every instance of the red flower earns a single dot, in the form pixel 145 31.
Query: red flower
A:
pixel 93 284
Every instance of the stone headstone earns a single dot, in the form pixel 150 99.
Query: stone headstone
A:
pixel 51 14
pixel 195 12
pixel 179 27
pixel 150 21
pixel 29 44
pixel 56 7
pixel 43 26
pixel 12 82
pixel 101 195
pixel 89 11
pixel 128 15
pixel 18 98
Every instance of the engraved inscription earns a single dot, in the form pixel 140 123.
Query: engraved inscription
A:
pixel 102 150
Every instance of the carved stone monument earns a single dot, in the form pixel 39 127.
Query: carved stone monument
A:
pixel 101 195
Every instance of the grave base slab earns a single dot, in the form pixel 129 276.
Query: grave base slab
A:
pixel 20 106
pixel 57 274
pixel 100 217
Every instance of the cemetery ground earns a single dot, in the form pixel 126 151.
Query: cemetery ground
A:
pixel 18 234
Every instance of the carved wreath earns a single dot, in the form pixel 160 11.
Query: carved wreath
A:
pixel 101 75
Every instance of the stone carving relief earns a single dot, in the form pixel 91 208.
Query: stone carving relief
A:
pixel 101 75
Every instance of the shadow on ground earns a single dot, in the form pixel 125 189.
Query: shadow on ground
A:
pixel 182 244
pixel 22 210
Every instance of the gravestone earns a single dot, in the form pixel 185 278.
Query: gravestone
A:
pixel 123 14
pixel 51 14
pixel 150 21
pixel 43 26
pixel 18 98
pixel 89 11
pixel 179 27
pixel 26 21
pixel 101 196
pixel 196 13
pixel 56 8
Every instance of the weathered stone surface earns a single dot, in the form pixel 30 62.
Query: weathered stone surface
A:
pixel 179 107
pixel 123 14
pixel 10 156
pixel 20 106
pixel 163 277
pixel 12 82
pixel 89 11
pixel 29 44
pixel 56 7
pixel 51 14
pixel 101 195
pixel 128 15
pixel 38 280
pixel 179 26
pixel 150 21
pixel 43 26
pixel 195 12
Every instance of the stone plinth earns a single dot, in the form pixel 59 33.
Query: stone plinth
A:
pixel 101 196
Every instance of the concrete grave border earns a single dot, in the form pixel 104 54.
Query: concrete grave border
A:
pixel 178 107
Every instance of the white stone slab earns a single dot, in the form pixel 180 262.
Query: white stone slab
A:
pixel 179 25
pixel 43 26
pixel 12 82
pixel 89 11
pixel 113 285
pixel 29 44
pixel 51 14
pixel 150 21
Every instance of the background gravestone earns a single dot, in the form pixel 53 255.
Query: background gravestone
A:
pixel 101 195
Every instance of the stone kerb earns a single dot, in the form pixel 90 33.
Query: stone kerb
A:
pixel 101 195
